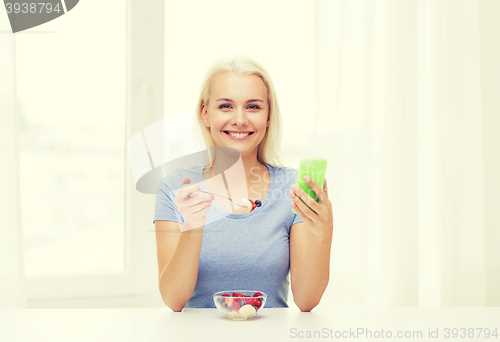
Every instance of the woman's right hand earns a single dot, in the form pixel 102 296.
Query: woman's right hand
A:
pixel 192 205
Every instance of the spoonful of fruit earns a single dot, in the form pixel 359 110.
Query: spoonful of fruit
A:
pixel 247 203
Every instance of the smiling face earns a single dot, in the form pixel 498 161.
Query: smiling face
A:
pixel 237 112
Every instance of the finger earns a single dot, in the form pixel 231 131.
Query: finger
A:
pixel 189 190
pixel 300 213
pixel 305 197
pixel 197 208
pixel 186 182
pixel 307 211
pixel 325 188
pixel 203 211
pixel 315 187
pixel 199 198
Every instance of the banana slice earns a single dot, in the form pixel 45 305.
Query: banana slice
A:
pixel 247 310
pixel 247 204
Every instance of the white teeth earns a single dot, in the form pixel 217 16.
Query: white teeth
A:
pixel 238 135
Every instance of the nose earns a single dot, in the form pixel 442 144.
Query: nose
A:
pixel 239 117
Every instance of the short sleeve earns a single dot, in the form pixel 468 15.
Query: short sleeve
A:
pixel 291 176
pixel 296 219
pixel 166 206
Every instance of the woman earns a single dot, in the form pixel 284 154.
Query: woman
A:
pixel 241 250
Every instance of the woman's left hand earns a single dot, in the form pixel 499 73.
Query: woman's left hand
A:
pixel 318 216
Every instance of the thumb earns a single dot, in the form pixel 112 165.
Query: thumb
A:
pixel 186 181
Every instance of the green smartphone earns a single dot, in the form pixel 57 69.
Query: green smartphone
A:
pixel 314 168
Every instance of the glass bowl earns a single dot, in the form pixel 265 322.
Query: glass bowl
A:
pixel 241 304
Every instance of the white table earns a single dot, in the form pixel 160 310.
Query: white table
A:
pixel 280 324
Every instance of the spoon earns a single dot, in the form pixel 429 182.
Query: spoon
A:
pixel 222 197
pixel 257 202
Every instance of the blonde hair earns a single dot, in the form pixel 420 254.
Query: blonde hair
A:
pixel 269 151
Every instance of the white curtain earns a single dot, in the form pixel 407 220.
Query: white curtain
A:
pixel 12 288
pixel 400 121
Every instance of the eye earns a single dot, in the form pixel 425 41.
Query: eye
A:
pixel 224 106
pixel 254 106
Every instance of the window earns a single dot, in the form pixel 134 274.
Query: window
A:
pixel 72 139
pixel 74 84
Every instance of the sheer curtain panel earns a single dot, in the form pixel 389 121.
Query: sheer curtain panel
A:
pixel 400 119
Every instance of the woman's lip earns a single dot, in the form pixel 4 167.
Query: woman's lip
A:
pixel 238 138
pixel 238 131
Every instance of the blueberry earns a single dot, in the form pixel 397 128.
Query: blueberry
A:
pixel 258 203
pixel 223 305
pixel 221 300
pixel 256 308
pixel 243 303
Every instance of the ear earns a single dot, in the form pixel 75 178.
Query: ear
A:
pixel 204 115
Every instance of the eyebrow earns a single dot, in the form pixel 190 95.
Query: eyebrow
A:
pixel 229 100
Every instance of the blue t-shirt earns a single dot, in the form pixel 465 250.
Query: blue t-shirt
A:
pixel 249 251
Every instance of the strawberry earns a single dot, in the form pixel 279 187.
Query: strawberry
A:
pixel 225 295
pixel 236 306
pixel 238 295
pixel 258 304
pixel 257 294
pixel 229 301
pixel 253 205
pixel 251 301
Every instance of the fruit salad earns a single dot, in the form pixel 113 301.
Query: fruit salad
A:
pixel 239 306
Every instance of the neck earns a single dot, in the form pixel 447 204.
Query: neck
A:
pixel 251 165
